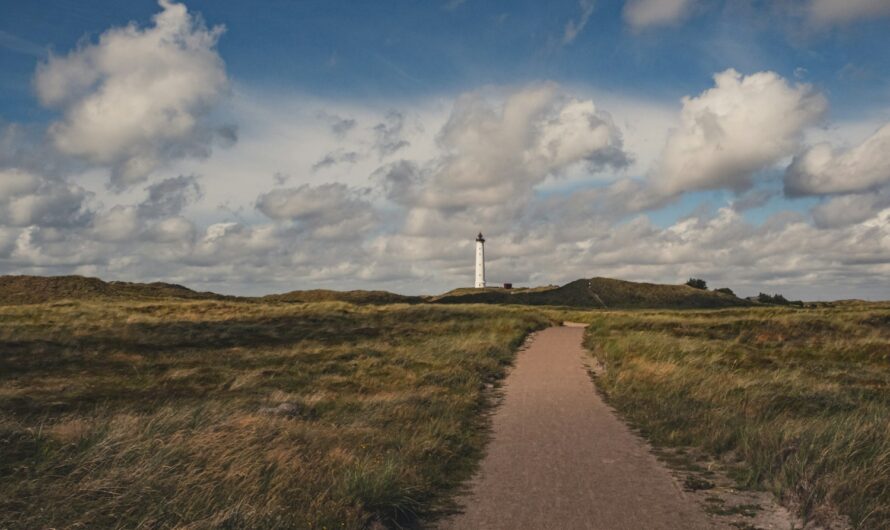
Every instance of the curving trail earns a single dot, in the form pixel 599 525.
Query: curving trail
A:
pixel 561 459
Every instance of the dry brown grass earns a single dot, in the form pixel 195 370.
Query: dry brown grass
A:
pixel 796 401
pixel 218 414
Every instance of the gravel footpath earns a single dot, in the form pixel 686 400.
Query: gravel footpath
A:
pixel 561 459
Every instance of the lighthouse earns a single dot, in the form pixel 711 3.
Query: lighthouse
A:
pixel 480 261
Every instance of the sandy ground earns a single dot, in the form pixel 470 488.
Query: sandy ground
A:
pixel 561 459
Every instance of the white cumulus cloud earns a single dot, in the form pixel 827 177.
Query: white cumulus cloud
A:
pixel 823 169
pixel 139 97
pixel 728 133
pixel 496 152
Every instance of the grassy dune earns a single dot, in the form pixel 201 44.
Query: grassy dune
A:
pixel 599 293
pixel 794 401
pixel 219 414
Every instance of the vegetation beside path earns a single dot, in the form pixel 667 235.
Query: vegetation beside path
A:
pixel 257 414
pixel 224 414
pixel 796 401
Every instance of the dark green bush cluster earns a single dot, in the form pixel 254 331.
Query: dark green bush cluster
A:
pixel 776 299
pixel 697 283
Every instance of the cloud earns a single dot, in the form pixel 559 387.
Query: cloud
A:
pixel 642 14
pixel 120 223
pixel 27 199
pixel 847 210
pixel 451 5
pixel 389 134
pixel 752 199
pixel 543 171
pixel 155 219
pixel 496 152
pixel 339 126
pixel 20 45
pixel 400 181
pixel 327 211
pixel 25 147
pixel 171 230
pixel 336 157
pixel 829 12
pixel 823 169
pixel 730 132
pixel 170 196
pixel 139 97
pixel 573 28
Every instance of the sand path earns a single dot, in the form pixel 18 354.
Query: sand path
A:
pixel 561 459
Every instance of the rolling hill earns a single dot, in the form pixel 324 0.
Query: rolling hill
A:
pixel 599 293
pixel 40 289
pixel 585 293
pixel 354 297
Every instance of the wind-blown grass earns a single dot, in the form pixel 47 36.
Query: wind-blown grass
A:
pixel 219 414
pixel 795 401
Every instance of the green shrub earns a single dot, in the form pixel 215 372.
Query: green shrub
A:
pixel 697 283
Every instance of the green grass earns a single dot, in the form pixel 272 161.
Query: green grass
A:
pixel 224 414
pixel 796 401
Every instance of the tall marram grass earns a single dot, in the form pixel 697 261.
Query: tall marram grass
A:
pixel 218 414
pixel 796 401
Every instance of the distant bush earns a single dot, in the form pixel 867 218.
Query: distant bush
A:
pixel 697 283
pixel 725 290
pixel 776 299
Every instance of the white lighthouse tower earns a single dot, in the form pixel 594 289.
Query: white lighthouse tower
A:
pixel 480 261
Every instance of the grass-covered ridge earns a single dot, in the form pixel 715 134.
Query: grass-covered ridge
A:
pixel 594 293
pixel 795 401
pixel 352 297
pixel 23 289
pixel 242 415
pixel 600 293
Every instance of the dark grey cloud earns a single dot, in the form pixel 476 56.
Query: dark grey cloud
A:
pixel 400 181
pixel 336 157
pixel 168 197
pixel 338 125
pixel 388 134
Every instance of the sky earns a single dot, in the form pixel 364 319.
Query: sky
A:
pixel 259 147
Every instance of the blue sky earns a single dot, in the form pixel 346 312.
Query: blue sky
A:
pixel 353 143
pixel 410 48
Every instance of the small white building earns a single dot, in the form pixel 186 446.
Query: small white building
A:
pixel 480 261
